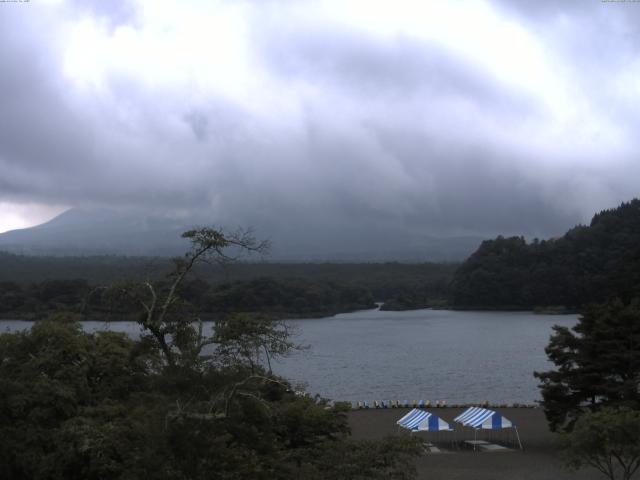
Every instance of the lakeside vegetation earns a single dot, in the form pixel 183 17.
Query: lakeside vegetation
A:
pixel 34 287
pixel 279 298
pixel 589 264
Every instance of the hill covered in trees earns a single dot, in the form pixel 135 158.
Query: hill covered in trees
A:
pixel 587 265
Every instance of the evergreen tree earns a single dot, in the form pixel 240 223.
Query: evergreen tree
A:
pixel 598 363
pixel 588 264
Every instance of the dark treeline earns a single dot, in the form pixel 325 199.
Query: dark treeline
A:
pixel 32 287
pixel 266 295
pixel 95 269
pixel 589 264
pixel 383 279
pixel 277 296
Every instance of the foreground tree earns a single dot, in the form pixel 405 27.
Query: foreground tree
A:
pixel 608 440
pixel 251 339
pixel 598 364
pixel 68 397
pixel 169 321
pixel 179 403
pixel 391 458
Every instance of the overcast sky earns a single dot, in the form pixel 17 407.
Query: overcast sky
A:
pixel 433 117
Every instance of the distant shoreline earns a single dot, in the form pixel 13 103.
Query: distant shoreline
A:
pixel 206 317
pixel 36 317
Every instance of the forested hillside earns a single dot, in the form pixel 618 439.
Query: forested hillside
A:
pixel 587 265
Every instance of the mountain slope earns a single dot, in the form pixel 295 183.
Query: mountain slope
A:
pixel 104 231
pixel 587 264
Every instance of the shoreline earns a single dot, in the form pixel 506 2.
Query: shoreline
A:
pixel 209 317
pixel 438 405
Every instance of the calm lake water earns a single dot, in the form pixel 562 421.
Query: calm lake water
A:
pixel 420 354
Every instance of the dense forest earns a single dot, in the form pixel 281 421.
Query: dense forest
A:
pixel 266 295
pixel 33 287
pixel 589 264
pixel 383 279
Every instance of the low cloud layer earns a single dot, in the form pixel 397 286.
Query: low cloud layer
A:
pixel 384 119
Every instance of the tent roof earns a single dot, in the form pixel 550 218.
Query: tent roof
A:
pixel 478 417
pixel 421 420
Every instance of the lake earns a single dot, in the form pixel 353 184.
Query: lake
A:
pixel 460 357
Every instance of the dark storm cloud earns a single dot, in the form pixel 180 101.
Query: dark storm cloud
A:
pixel 335 131
pixel 198 122
pixel 38 133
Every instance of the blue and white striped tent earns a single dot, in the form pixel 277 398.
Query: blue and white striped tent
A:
pixel 480 418
pixel 423 421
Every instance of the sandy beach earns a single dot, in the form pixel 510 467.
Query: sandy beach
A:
pixel 538 460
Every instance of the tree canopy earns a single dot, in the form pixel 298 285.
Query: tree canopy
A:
pixel 608 440
pixel 588 264
pixel 178 403
pixel 597 363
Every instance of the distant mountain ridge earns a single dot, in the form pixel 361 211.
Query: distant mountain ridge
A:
pixel 115 232
pixel 589 264
pixel 97 232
